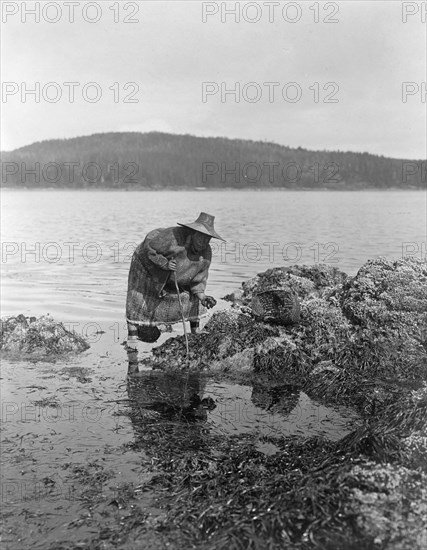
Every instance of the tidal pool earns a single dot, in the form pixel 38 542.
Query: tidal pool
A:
pixel 235 409
pixel 243 409
pixel 77 456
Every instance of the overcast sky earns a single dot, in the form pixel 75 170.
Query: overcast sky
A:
pixel 365 57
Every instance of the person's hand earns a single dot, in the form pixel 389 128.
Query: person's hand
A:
pixel 172 265
pixel 208 301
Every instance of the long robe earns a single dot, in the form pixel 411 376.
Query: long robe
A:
pixel 152 298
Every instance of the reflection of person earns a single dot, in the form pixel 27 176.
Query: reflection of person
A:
pixel 175 254
pixel 167 413
pixel 173 395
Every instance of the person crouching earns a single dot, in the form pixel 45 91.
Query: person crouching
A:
pixel 166 255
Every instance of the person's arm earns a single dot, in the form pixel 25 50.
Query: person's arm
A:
pixel 159 246
pixel 199 282
pixel 198 287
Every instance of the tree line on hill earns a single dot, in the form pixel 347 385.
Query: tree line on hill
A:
pixel 156 160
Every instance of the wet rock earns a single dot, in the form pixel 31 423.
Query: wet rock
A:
pixel 304 281
pixel 278 357
pixel 416 448
pixel 323 276
pixel 373 325
pixel 322 335
pixel 385 291
pixel 275 342
pixel 43 337
pixel 228 333
pixel 387 305
pixel 390 505
pixel 415 444
pixel 325 366
pixel 235 297
pixel 278 278
pixel 239 362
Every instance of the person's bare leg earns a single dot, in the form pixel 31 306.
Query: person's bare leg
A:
pixel 132 336
pixel 195 327
pixel 132 349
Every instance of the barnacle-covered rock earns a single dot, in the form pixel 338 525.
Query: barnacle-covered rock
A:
pixel 387 305
pixel 325 367
pixel 384 291
pixel 227 334
pixel 304 281
pixel 416 447
pixel 390 505
pixel 43 337
pixel 278 278
pixel 322 334
pixel 373 325
pixel 237 363
pixel 415 443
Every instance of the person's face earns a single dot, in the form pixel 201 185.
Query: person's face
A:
pixel 200 241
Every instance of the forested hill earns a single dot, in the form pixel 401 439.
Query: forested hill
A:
pixel 157 160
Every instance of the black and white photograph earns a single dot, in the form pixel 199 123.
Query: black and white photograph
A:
pixel 213 275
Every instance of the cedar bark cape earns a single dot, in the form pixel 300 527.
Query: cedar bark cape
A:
pixel 152 297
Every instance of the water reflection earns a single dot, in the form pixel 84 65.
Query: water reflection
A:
pixel 172 396
pixel 181 399
pixel 132 360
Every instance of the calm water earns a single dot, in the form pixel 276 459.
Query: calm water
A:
pixel 68 253
pixel 239 411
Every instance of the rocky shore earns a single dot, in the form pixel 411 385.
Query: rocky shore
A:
pixel 356 341
pixel 26 338
pixel 372 326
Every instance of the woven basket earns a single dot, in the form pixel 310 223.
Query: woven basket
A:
pixel 279 306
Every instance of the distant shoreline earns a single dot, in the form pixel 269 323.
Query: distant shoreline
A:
pixel 157 161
